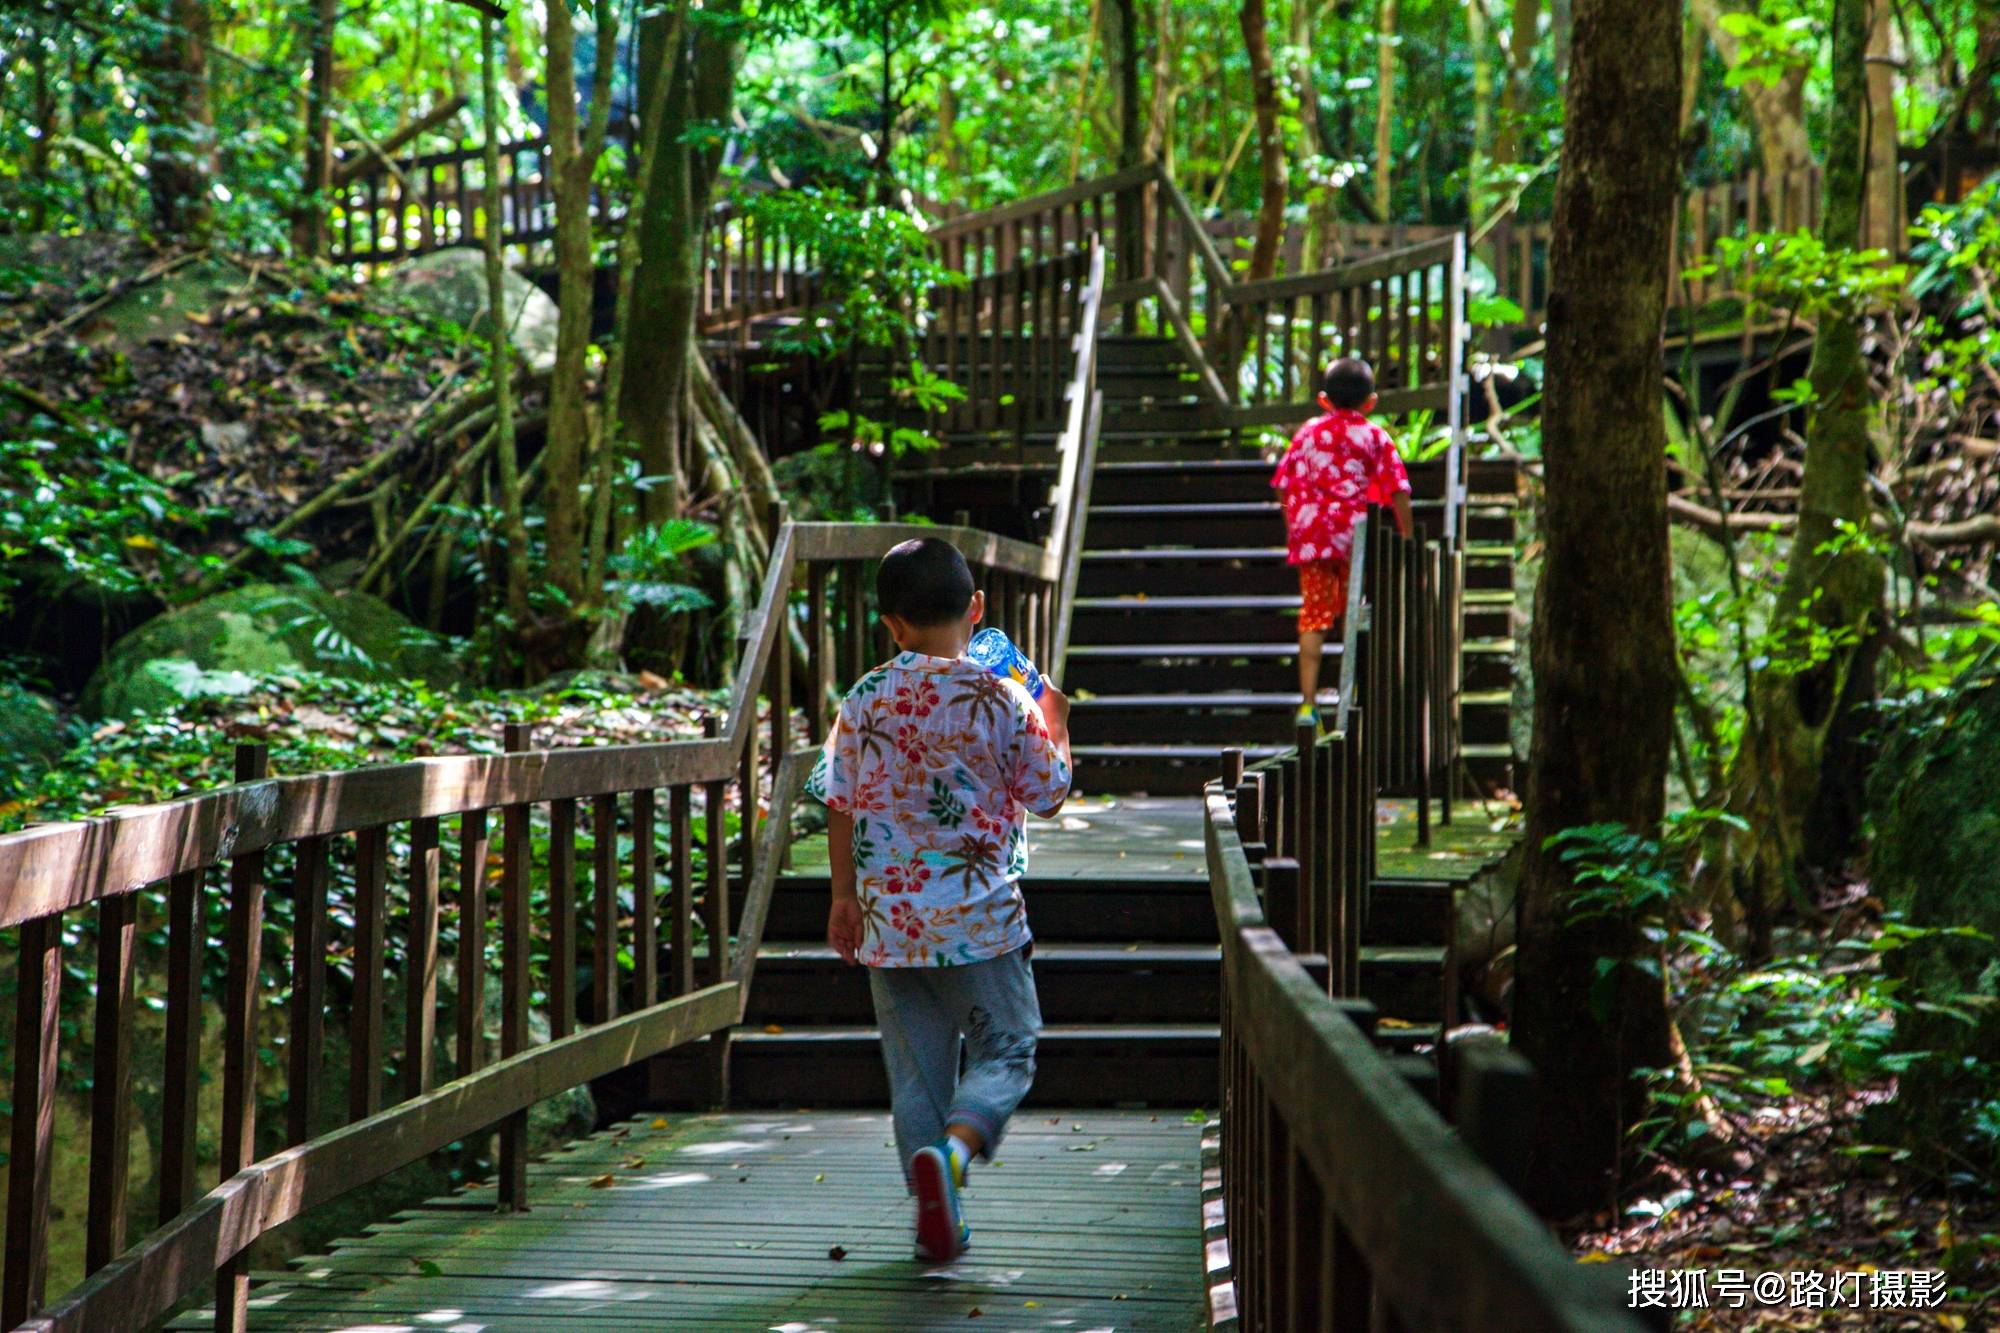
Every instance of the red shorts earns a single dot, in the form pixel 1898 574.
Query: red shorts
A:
pixel 1323 590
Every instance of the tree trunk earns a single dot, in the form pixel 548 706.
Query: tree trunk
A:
pixel 1778 111
pixel 1319 199
pixel 1270 148
pixel 180 168
pixel 309 223
pixel 703 70
pixel 1603 713
pixel 1385 107
pixel 1803 817
pixel 1882 215
pixel 1478 38
pixel 1521 34
pixel 1124 41
pixel 514 527
pixel 1159 121
pixel 573 153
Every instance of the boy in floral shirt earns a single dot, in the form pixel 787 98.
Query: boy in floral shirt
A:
pixel 928 774
pixel 1338 464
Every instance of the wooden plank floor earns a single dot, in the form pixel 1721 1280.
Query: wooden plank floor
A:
pixel 1087 1221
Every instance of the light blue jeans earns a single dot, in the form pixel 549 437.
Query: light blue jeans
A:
pixel 923 1012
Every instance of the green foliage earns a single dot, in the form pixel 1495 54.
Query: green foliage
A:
pixel 75 514
pixel 650 568
pixel 875 270
pixel 1937 821
pixel 1775 37
pixel 1798 273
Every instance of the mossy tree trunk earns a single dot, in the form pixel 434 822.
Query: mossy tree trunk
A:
pixel 1603 635
pixel 574 147
pixel 1270 148
pixel 513 522
pixel 1804 814
pixel 699 60
pixel 180 166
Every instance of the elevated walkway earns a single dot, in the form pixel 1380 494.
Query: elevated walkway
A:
pixel 795 1221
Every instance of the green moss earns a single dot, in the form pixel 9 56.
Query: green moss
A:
pixel 220 645
pixel 1937 823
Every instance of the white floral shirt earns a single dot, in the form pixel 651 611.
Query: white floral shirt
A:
pixel 939 761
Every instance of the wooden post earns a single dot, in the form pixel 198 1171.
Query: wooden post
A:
pixel 645 905
pixel 604 908
pixel 305 1040
pixel 179 1105
pixel 716 914
pixel 513 1181
pixel 111 1081
pixel 1494 1106
pixel 1232 773
pixel 471 1002
pixel 562 918
pixel 37 1015
pixel 680 978
pixel 420 977
pixel 364 1066
pixel 1282 907
pixel 239 1043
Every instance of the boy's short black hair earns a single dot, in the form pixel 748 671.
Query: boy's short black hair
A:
pixel 1349 382
pixel 925 581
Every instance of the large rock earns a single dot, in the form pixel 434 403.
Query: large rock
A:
pixel 222 644
pixel 451 284
pixel 31 738
pixel 1936 812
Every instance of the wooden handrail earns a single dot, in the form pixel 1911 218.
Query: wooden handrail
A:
pixel 1398 1197
pixel 47 871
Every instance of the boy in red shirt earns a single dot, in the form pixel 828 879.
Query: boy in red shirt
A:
pixel 1338 464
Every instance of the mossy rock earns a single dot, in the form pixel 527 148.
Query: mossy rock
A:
pixel 222 644
pixel 451 284
pixel 1937 821
pixel 31 738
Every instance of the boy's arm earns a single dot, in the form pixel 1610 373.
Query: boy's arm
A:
pixel 1055 713
pixel 843 921
pixel 1401 504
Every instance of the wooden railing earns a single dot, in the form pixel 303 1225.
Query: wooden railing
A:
pixel 52 875
pixel 1347 1202
pixel 1259 348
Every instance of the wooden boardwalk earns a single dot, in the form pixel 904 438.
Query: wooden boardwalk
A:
pixel 1087 1221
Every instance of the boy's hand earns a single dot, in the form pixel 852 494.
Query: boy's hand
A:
pixel 843 928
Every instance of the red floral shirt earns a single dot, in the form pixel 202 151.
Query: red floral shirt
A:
pixel 1338 464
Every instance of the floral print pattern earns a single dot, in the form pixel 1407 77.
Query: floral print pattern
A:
pixel 1337 466
pixel 939 761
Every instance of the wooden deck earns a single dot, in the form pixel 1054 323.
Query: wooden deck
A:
pixel 792 1223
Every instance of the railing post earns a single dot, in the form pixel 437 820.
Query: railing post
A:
pixel 513 1191
pixel 37 1017
pixel 111 1081
pixel 1305 803
pixel 239 1046
pixel 305 1040
pixel 1494 1105
pixel 715 916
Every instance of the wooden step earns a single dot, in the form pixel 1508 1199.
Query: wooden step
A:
pixel 1159 770
pixel 1218 719
pixel 1254 570
pixel 1404 981
pixel 1229 523
pixel 1181 482
pixel 1162 620
pixel 1407 911
pixel 1162 909
pixel 1077 984
pixel 1171 1065
pixel 1176 667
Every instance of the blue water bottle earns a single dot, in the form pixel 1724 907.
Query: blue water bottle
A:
pixel 997 653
